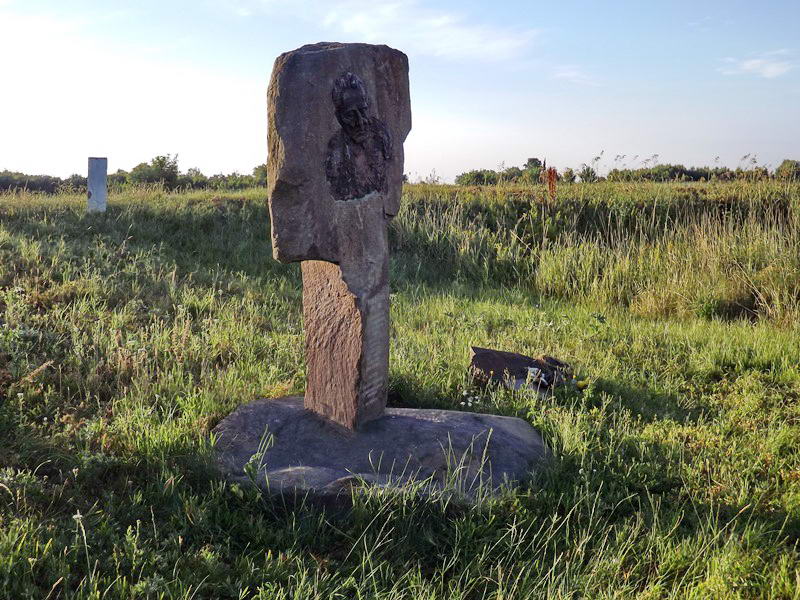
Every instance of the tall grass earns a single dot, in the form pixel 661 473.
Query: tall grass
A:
pixel 727 250
pixel 125 337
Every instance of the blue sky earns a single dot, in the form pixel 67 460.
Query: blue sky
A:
pixel 492 83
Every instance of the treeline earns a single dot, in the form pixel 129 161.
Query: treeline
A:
pixel 531 172
pixel 788 169
pixel 536 171
pixel 12 180
pixel 161 170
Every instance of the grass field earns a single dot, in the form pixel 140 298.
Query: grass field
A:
pixel 125 337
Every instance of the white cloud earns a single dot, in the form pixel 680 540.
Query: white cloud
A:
pixel 768 65
pixel 427 32
pixel 700 24
pixel 407 24
pixel 574 74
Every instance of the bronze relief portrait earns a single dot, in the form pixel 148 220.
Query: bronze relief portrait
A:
pixel 357 154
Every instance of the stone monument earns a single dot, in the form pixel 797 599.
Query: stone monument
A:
pixel 338 117
pixel 97 190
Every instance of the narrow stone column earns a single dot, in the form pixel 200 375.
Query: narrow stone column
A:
pixel 346 319
pixel 97 186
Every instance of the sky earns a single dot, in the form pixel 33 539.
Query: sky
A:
pixel 492 83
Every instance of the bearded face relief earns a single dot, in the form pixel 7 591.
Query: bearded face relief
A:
pixel 357 154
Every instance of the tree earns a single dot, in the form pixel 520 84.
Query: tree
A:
pixel 119 178
pixel 532 163
pixel 587 174
pixel 141 173
pixel 532 171
pixel 260 175
pixel 511 174
pixel 568 176
pixel 477 177
pixel 233 181
pixel 10 180
pixel 75 182
pixel 789 170
pixel 193 179
pixel 162 169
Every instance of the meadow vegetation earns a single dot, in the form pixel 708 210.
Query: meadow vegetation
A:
pixel 631 169
pixel 125 336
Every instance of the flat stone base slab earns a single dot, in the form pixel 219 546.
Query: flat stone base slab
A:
pixel 292 450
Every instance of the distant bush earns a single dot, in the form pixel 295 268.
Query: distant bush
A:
pixel 480 177
pixel 193 179
pixel 531 173
pixel 162 170
pixel 260 175
pixel 118 179
pixel 75 183
pixel 10 180
pixel 788 169
pixel 587 174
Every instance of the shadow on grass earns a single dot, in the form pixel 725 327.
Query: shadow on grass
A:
pixel 651 405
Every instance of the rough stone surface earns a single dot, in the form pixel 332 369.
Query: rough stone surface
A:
pixel 347 346
pixel 338 116
pixel 515 370
pixel 452 450
pixel 97 190
pixel 305 133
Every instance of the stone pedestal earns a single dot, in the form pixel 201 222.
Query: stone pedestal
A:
pixel 468 454
pixel 97 190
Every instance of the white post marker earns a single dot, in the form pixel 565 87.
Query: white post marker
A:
pixel 97 190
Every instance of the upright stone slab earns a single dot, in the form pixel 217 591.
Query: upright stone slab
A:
pixel 97 187
pixel 338 117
